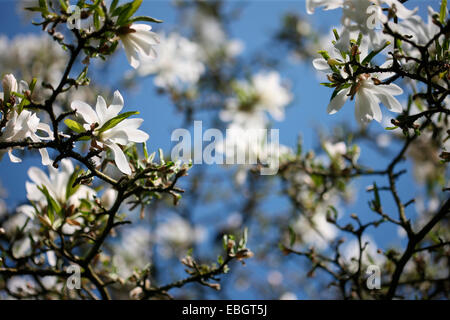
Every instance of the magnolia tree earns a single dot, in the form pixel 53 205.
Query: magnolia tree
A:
pixel 104 217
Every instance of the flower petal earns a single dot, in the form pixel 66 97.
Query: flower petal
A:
pixel 85 111
pixel 101 110
pixel 119 158
pixel 116 105
pixel 338 101
pixel 132 55
pixel 320 64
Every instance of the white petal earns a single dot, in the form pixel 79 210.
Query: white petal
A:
pixel 385 94
pixel 101 110
pixel 119 158
pixel 320 64
pixel 46 128
pixel 46 161
pixel 338 101
pixel 85 111
pixel 38 176
pixel 27 210
pixel 116 105
pixel 132 55
pixel 137 136
pixel 12 157
pixel 366 107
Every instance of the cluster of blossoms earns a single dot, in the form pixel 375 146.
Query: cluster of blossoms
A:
pixel 111 129
pixel 362 16
pixel 20 124
pixel 359 41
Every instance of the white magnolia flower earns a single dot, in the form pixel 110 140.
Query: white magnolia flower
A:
pixel 263 93
pixel 22 126
pixel 178 62
pixel 368 98
pixel 56 182
pixel 121 134
pixel 361 16
pixel 272 95
pixel 138 42
pixel 367 90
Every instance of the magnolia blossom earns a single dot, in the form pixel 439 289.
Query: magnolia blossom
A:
pixel 420 32
pixel 361 16
pixel 56 182
pixel 178 62
pixel 22 126
pixel 368 91
pixel 263 93
pixel 138 42
pixel 368 95
pixel 121 134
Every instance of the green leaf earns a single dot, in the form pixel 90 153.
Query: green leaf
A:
pixel 63 4
pixel 292 236
pixel 372 54
pixel 113 5
pixel 128 11
pixel 32 85
pixel 324 54
pixel 144 147
pixel 338 89
pixel 74 126
pixel 111 123
pixel 391 128
pixel 443 13
pixel 53 206
pixel 146 19
pixel 336 34
pixel 70 189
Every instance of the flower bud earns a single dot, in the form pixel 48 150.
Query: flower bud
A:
pixel 9 84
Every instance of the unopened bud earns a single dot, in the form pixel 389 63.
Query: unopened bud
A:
pixel 58 36
pixel 230 244
pixel 9 84
pixel 244 254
